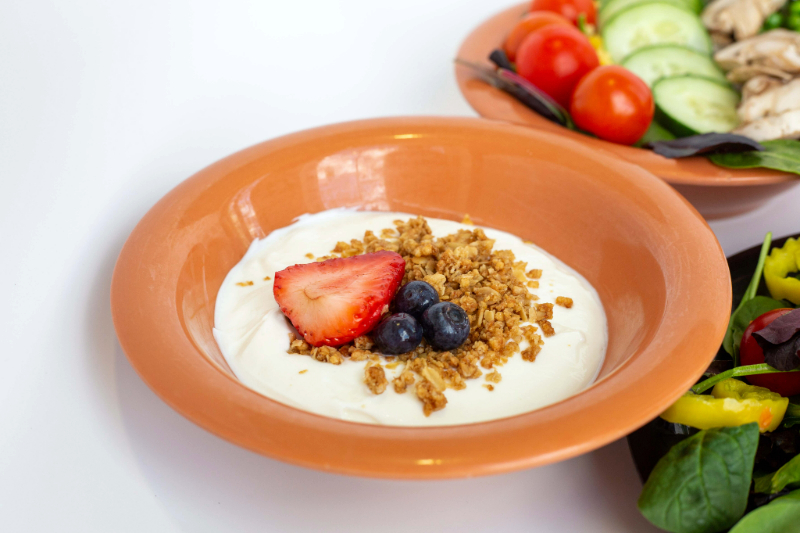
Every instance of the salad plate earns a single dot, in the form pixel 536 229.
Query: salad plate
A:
pixel 777 447
pixel 658 270
pixel 652 442
pixel 715 191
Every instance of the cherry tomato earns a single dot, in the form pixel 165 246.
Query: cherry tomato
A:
pixel 554 59
pixel 751 353
pixel 570 9
pixel 527 25
pixel 614 104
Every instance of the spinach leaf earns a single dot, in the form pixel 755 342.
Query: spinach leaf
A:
pixel 788 474
pixel 751 310
pixel 701 485
pixel 749 294
pixel 781 154
pixel 655 133
pixel 792 416
pixel 781 515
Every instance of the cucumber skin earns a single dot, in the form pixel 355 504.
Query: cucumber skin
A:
pixel 721 77
pixel 693 5
pixel 709 44
pixel 603 19
pixel 672 125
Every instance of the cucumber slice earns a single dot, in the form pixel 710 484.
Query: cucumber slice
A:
pixel 653 23
pixel 665 60
pixel 688 105
pixel 612 7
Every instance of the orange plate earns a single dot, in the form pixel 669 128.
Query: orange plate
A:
pixel 715 191
pixel 657 267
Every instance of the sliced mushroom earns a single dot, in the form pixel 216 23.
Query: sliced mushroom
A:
pixel 770 109
pixel 763 96
pixel 740 18
pixel 783 126
pixel 720 40
pixel 775 53
pixel 742 74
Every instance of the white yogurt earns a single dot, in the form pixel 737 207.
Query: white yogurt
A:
pixel 253 334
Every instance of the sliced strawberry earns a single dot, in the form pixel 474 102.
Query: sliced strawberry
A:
pixel 333 302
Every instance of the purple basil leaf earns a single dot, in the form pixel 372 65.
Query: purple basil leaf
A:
pixel 532 91
pixel 499 58
pixel 784 356
pixel 780 341
pixel 526 93
pixel 781 329
pixel 706 143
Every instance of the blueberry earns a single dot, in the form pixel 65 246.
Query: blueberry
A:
pixel 397 333
pixel 414 298
pixel 445 325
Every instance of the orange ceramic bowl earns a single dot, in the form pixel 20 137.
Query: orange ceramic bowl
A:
pixel 659 271
pixel 715 191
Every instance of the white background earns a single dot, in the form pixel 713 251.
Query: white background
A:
pixel 104 107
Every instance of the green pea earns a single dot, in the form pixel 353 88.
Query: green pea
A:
pixel 793 22
pixel 773 21
pixel 794 8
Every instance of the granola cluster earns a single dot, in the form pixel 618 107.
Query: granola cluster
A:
pixel 490 285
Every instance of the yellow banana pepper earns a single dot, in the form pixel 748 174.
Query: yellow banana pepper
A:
pixel 602 53
pixel 731 403
pixel 779 264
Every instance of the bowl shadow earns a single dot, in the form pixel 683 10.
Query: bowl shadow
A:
pixel 203 480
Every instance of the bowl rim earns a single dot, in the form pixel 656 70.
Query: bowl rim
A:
pixel 492 103
pixel 215 401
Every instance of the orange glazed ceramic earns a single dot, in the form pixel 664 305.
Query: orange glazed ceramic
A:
pixel 656 265
pixel 716 192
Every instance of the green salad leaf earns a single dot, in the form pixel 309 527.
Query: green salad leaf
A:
pixel 788 474
pixel 737 372
pixel 751 310
pixel 701 485
pixel 781 515
pixel 781 154
pixel 655 132
pixel 792 416
pixel 733 338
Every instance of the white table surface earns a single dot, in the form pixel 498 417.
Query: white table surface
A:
pixel 104 107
